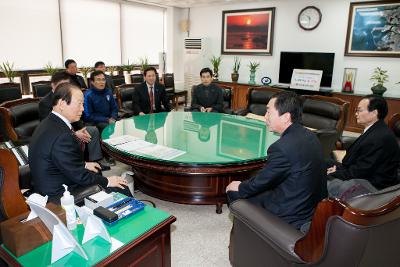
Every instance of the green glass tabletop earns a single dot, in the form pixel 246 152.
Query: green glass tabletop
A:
pixel 191 137
pixel 97 249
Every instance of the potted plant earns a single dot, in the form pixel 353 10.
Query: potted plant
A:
pixel 112 69
pixel 144 63
pixel 50 69
pixel 127 69
pixel 253 66
pixel 8 69
pixel 236 67
pixel 379 77
pixel 216 62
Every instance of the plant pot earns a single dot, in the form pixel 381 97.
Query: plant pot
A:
pixel 127 77
pixel 252 77
pixel 378 89
pixel 215 76
pixel 235 77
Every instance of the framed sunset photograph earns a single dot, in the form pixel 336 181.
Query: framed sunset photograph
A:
pixel 248 31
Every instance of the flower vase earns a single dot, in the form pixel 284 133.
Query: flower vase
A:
pixel 252 77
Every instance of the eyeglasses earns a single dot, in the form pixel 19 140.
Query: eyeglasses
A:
pixel 359 110
pixel 100 80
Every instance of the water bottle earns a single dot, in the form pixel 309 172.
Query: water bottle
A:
pixel 67 202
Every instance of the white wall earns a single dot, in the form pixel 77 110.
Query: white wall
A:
pixel 330 36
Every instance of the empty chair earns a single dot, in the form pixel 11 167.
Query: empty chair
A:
pixel 118 80
pixel 41 88
pixel 361 232
pixel 9 91
pixel 257 100
pixel 137 78
pixel 20 117
pixel 124 100
pixel 394 124
pixel 169 82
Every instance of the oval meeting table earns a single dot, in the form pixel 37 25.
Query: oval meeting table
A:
pixel 189 157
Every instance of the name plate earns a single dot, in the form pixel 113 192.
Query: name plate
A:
pixel 306 79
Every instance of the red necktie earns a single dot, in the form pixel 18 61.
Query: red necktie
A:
pixel 151 99
pixel 81 143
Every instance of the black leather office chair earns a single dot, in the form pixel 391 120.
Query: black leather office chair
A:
pixel 41 88
pixel 360 232
pixel 118 80
pixel 228 98
pixel 124 98
pixel 137 78
pixel 257 100
pixel 10 91
pixel 20 117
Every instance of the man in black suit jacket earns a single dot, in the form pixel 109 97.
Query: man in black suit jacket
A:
pixel 293 179
pixel 371 162
pixel 55 155
pixel 150 91
pixel 72 70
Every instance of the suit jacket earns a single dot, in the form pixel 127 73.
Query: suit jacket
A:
pixel 110 83
pixel 141 99
pixel 208 97
pixel 293 180
pixel 46 106
pixel 77 80
pixel 55 158
pixel 374 156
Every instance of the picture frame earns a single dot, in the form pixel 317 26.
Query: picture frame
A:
pixel 349 79
pixel 248 31
pixel 372 29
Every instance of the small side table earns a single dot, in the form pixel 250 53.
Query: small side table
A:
pixel 176 96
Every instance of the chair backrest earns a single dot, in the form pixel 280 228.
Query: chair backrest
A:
pixel 228 95
pixel 394 124
pixel 258 98
pixel 41 88
pixel 20 117
pixel 325 112
pixel 118 80
pixel 348 230
pixel 9 91
pixel 12 203
pixel 169 81
pixel 137 78
pixel 124 96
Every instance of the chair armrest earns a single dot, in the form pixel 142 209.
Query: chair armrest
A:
pixel 124 113
pixel 274 231
pixel 347 141
pixel 5 115
pixel 228 111
pixel 241 111
pixel 25 178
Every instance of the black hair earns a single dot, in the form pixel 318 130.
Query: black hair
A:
pixel 378 103
pixel 95 73
pixel 98 64
pixel 59 76
pixel 69 61
pixel 289 102
pixel 149 69
pixel 205 70
pixel 63 92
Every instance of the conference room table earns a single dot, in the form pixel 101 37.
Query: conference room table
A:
pixel 189 157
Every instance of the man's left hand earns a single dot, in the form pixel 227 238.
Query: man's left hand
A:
pixel 208 109
pixel 92 166
pixel 111 120
pixel 83 135
pixel 233 186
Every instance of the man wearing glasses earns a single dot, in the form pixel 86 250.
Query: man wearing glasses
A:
pixel 100 105
pixel 371 162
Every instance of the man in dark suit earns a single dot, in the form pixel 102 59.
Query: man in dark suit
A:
pixel 99 65
pixel 72 70
pixel 149 96
pixel 88 135
pixel 55 155
pixel 207 96
pixel 371 162
pixel 293 179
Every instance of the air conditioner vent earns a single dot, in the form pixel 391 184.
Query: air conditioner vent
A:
pixel 193 43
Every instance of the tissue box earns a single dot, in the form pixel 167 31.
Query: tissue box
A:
pixel 22 237
pixel 99 199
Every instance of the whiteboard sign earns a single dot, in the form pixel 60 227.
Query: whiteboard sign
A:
pixel 306 79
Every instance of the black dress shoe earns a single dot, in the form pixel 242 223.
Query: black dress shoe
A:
pixel 104 167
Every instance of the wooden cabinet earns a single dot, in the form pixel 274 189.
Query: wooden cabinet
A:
pixel 239 91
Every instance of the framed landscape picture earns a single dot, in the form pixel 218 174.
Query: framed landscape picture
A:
pixel 248 31
pixel 373 29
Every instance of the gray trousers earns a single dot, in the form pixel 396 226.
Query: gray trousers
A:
pixel 93 147
pixel 347 189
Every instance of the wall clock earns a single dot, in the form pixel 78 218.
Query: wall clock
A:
pixel 309 18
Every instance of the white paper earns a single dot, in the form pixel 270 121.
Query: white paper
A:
pixel 38 199
pixel 61 245
pixel 134 145
pixel 120 140
pixel 161 152
pixel 115 244
pixel 83 213
pixel 306 79
pixel 95 227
